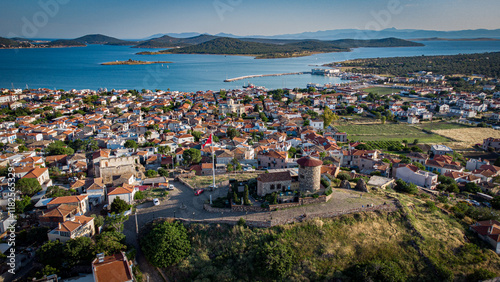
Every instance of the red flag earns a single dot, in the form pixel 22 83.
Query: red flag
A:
pixel 209 141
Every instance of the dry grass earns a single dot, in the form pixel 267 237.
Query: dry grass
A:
pixel 469 136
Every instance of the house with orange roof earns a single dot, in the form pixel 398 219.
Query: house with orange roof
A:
pixel 81 202
pixel 489 231
pixel 41 175
pixel 112 268
pixel 59 214
pixel 31 162
pixel 126 193
pixel 77 226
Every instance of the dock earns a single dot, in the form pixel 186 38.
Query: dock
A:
pixel 264 75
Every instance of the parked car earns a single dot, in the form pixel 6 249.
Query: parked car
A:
pixel 156 202
pixel 171 187
pixel 198 192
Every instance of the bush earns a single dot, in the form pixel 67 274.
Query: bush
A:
pixel 139 195
pixel 242 222
pixel 480 275
pixel 325 183
pixel 431 205
pixel 328 191
pixel 118 205
pixel 442 199
pixel 404 187
pixel 344 176
pixel 166 244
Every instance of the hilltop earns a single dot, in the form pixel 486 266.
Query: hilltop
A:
pixel 168 41
pixel 280 49
pixel 91 39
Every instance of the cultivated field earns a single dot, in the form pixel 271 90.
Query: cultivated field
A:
pixel 389 132
pixel 440 125
pixel 469 136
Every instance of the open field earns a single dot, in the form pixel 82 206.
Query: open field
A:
pixel 469 136
pixel 389 132
pixel 381 90
pixel 441 125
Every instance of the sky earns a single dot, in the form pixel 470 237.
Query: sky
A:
pixel 132 19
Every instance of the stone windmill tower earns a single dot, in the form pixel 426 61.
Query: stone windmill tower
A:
pixel 309 173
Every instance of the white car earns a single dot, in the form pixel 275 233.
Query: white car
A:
pixel 171 187
pixel 156 202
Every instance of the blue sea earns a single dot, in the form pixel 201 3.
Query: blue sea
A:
pixel 79 67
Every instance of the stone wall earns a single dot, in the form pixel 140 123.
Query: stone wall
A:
pixel 309 178
pixel 243 208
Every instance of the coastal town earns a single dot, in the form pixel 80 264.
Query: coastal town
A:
pixel 104 164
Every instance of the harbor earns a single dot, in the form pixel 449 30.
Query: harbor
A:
pixel 264 75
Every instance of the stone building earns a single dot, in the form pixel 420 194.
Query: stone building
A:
pixel 309 173
pixel 273 182
pixel 109 167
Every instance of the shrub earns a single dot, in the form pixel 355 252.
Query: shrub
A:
pixel 118 205
pixel 242 222
pixel 138 195
pixel 344 176
pixel 480 275
pixel 325 183
pixel 166 244
pixel 328 191
pixel 442 199
pixel 431 205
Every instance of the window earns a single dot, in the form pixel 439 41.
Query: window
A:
pixel 272 186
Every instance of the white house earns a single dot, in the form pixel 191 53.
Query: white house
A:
pixel 124 193
pixel 412 174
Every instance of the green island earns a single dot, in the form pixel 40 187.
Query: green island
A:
pixel 134 62
pixel 269 49
pixel 487 64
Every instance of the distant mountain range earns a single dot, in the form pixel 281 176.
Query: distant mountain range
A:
pixel 363 34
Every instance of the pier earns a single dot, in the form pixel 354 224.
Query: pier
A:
pixel 263 75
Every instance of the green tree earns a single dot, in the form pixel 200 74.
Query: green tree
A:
pixel 232 132
pixel 110 242
pixel 307 122
pixel 246 198
pixel 51 253
pixel 292 152
pixel 328 117
pixel 192 156
pixel 495 202
pixel 46 271
pixel 404 187
pixel 58 148
pixel 80 250
pixel 118 205
pixel 383 119
pixel 196 135
pixel 276 260
pixel 28 186
pixel 166 244
pixel 162 172
pixel 131 144
pixel 22 204
pixel 151 173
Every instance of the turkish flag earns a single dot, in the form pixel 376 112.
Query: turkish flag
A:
pixel 209 141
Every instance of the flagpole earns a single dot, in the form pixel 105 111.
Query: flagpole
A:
pixel 213 160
